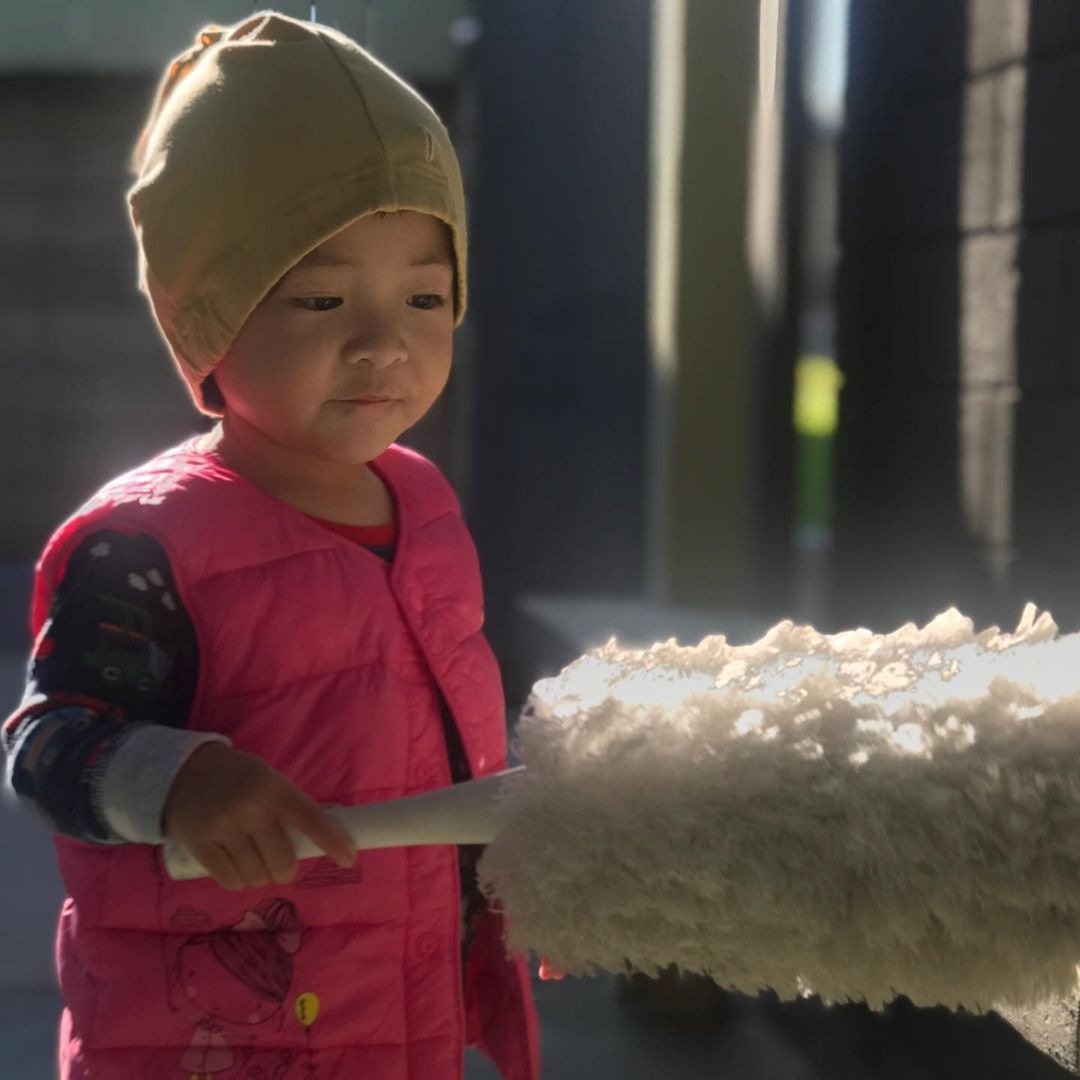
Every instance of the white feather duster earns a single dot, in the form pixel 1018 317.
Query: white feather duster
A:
pixel 858 815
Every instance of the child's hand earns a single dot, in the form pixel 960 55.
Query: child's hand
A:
pixel 231 810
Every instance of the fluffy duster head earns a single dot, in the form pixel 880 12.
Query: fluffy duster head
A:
pixel 858 815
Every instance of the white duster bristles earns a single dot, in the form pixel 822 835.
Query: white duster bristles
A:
pixel 858 815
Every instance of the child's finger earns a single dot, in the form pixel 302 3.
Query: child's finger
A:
pixel 327 834
pixel 220 865
pixel 278 854
pixel 249 862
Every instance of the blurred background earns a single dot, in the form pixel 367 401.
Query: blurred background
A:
pixel 773 314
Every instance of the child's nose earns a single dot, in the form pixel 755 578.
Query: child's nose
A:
pixel 379 344
pixel 377 358
pixel 379 354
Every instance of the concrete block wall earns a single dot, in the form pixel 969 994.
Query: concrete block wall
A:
pixel 89 387
pixel 958 309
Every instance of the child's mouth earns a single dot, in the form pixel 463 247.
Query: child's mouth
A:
pixel 369 401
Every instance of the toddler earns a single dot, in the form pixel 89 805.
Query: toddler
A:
pixel 283 613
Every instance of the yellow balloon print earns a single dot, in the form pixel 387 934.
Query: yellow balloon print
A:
pixel 307 1008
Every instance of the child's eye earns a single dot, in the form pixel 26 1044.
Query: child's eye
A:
pixel 429 301
pixel 423 301
pixel 320 303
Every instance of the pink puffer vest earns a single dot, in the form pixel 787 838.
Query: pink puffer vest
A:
pixel 327 662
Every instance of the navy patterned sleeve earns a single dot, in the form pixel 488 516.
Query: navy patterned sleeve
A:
pixel 99 735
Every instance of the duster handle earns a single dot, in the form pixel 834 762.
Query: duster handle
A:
pixel 464 813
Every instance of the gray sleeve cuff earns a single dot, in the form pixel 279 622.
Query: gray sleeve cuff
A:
pixel 138 775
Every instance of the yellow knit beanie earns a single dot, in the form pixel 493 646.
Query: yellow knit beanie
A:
pixel 264 139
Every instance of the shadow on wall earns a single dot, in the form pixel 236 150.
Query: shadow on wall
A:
pixel 1047 416
pixel 902 547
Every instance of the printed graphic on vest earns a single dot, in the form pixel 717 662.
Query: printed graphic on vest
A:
pixel 323 873
pixel 233 984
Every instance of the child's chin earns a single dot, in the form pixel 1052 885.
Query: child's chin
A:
pixel 359 451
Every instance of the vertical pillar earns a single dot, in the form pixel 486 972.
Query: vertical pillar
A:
pixel 703 318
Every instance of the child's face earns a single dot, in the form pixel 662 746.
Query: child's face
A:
pixel 381 292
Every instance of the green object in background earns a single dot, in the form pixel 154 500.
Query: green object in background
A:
pixel 813 483
pixel 817 408
pixel 817 395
